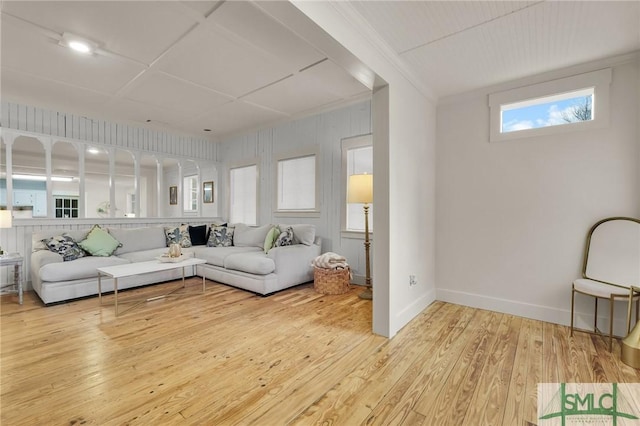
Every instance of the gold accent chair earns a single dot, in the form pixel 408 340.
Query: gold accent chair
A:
pixel 610 268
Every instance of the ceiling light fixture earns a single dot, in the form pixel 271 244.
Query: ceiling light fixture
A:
pixel 93 151
pixel 78 44
pixel 42 178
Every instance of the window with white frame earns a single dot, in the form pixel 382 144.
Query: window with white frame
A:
pixel 357 158
pixel 296 184
pixel 66 207
pixel 243 194
pixel 569 104
pixel 190 193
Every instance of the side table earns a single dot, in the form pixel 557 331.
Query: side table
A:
pixel 15 260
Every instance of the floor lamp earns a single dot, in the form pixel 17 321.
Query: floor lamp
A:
pixel 360 190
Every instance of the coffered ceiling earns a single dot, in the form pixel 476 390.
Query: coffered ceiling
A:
pixel 185 66
pixel 230 66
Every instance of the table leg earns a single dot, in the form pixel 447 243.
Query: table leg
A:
pixel 17 277
pixel 115 292
pixel 100 288
pixel 203 284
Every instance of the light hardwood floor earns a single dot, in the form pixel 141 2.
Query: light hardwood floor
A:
pixel 229 357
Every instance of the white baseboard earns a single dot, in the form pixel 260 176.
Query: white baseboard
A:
pixel 358 279
pixel 413 310
pixel 542 313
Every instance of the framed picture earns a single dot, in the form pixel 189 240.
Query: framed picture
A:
pixel 207 192
pixel 173 195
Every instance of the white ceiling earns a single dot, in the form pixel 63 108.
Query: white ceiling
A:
pixel 228 66
pixel 457 46
pixel 186 66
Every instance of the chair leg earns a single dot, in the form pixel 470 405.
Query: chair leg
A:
pixel 573 298
pixel 611 301
pixel 629 308
pixel 595 317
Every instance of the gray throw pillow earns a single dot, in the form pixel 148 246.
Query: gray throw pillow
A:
pixel 220 236
pixel 65 246
pixel 285 238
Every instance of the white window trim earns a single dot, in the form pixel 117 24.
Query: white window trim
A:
pixel 600 80
pixel 347 144
pixel 315 212
pixel 249 163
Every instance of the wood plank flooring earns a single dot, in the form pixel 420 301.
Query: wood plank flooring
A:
pixel 295 358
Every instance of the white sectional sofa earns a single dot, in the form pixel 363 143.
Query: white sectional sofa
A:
pixel 245 265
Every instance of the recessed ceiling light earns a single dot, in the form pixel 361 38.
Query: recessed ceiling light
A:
pixel 78 44
pixel 93 151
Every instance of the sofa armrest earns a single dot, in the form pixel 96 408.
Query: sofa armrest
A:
pixel 40 258
pixel 44 257
pixel 293 263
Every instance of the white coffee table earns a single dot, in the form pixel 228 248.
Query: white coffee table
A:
pixel 139 268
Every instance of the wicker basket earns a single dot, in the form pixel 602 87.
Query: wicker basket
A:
pixel 331 281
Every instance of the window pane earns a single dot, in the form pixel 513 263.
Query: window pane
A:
pixel 548 111
pixel 359 161
pixel 243 195
pixel 190 193
pixel 297 183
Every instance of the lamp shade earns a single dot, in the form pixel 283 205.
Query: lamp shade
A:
pixel 5 218
pixel 360 189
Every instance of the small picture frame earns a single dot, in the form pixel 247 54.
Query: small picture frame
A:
pixel 173 195
pixel 207 192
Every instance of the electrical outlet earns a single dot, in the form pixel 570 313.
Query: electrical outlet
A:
pixel 412 280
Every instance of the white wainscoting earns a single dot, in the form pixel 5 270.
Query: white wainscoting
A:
pixel 69 126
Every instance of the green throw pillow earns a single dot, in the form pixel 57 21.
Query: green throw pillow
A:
pixel 271 238
pixel 99 242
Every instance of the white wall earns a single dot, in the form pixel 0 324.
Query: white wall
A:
pixel 207 171
pixel 404 165
pixel 324 133
pixel 512 216
pixel 412 165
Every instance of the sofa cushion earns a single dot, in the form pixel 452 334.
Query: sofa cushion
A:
pixel 138 239
pixel 302 233
pixel 220 236
pixel 198 235
pixel 78 269
pixel 271 238
pixel 99 242
pixel 253 263
pixel 65 246
pixel 147 255
pixel 215 255
pixel 285 238
pixel 249 236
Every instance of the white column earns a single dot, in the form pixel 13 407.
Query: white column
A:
pixel 112 182
pixel 8 140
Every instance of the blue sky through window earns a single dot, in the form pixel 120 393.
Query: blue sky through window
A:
pixel 542 112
